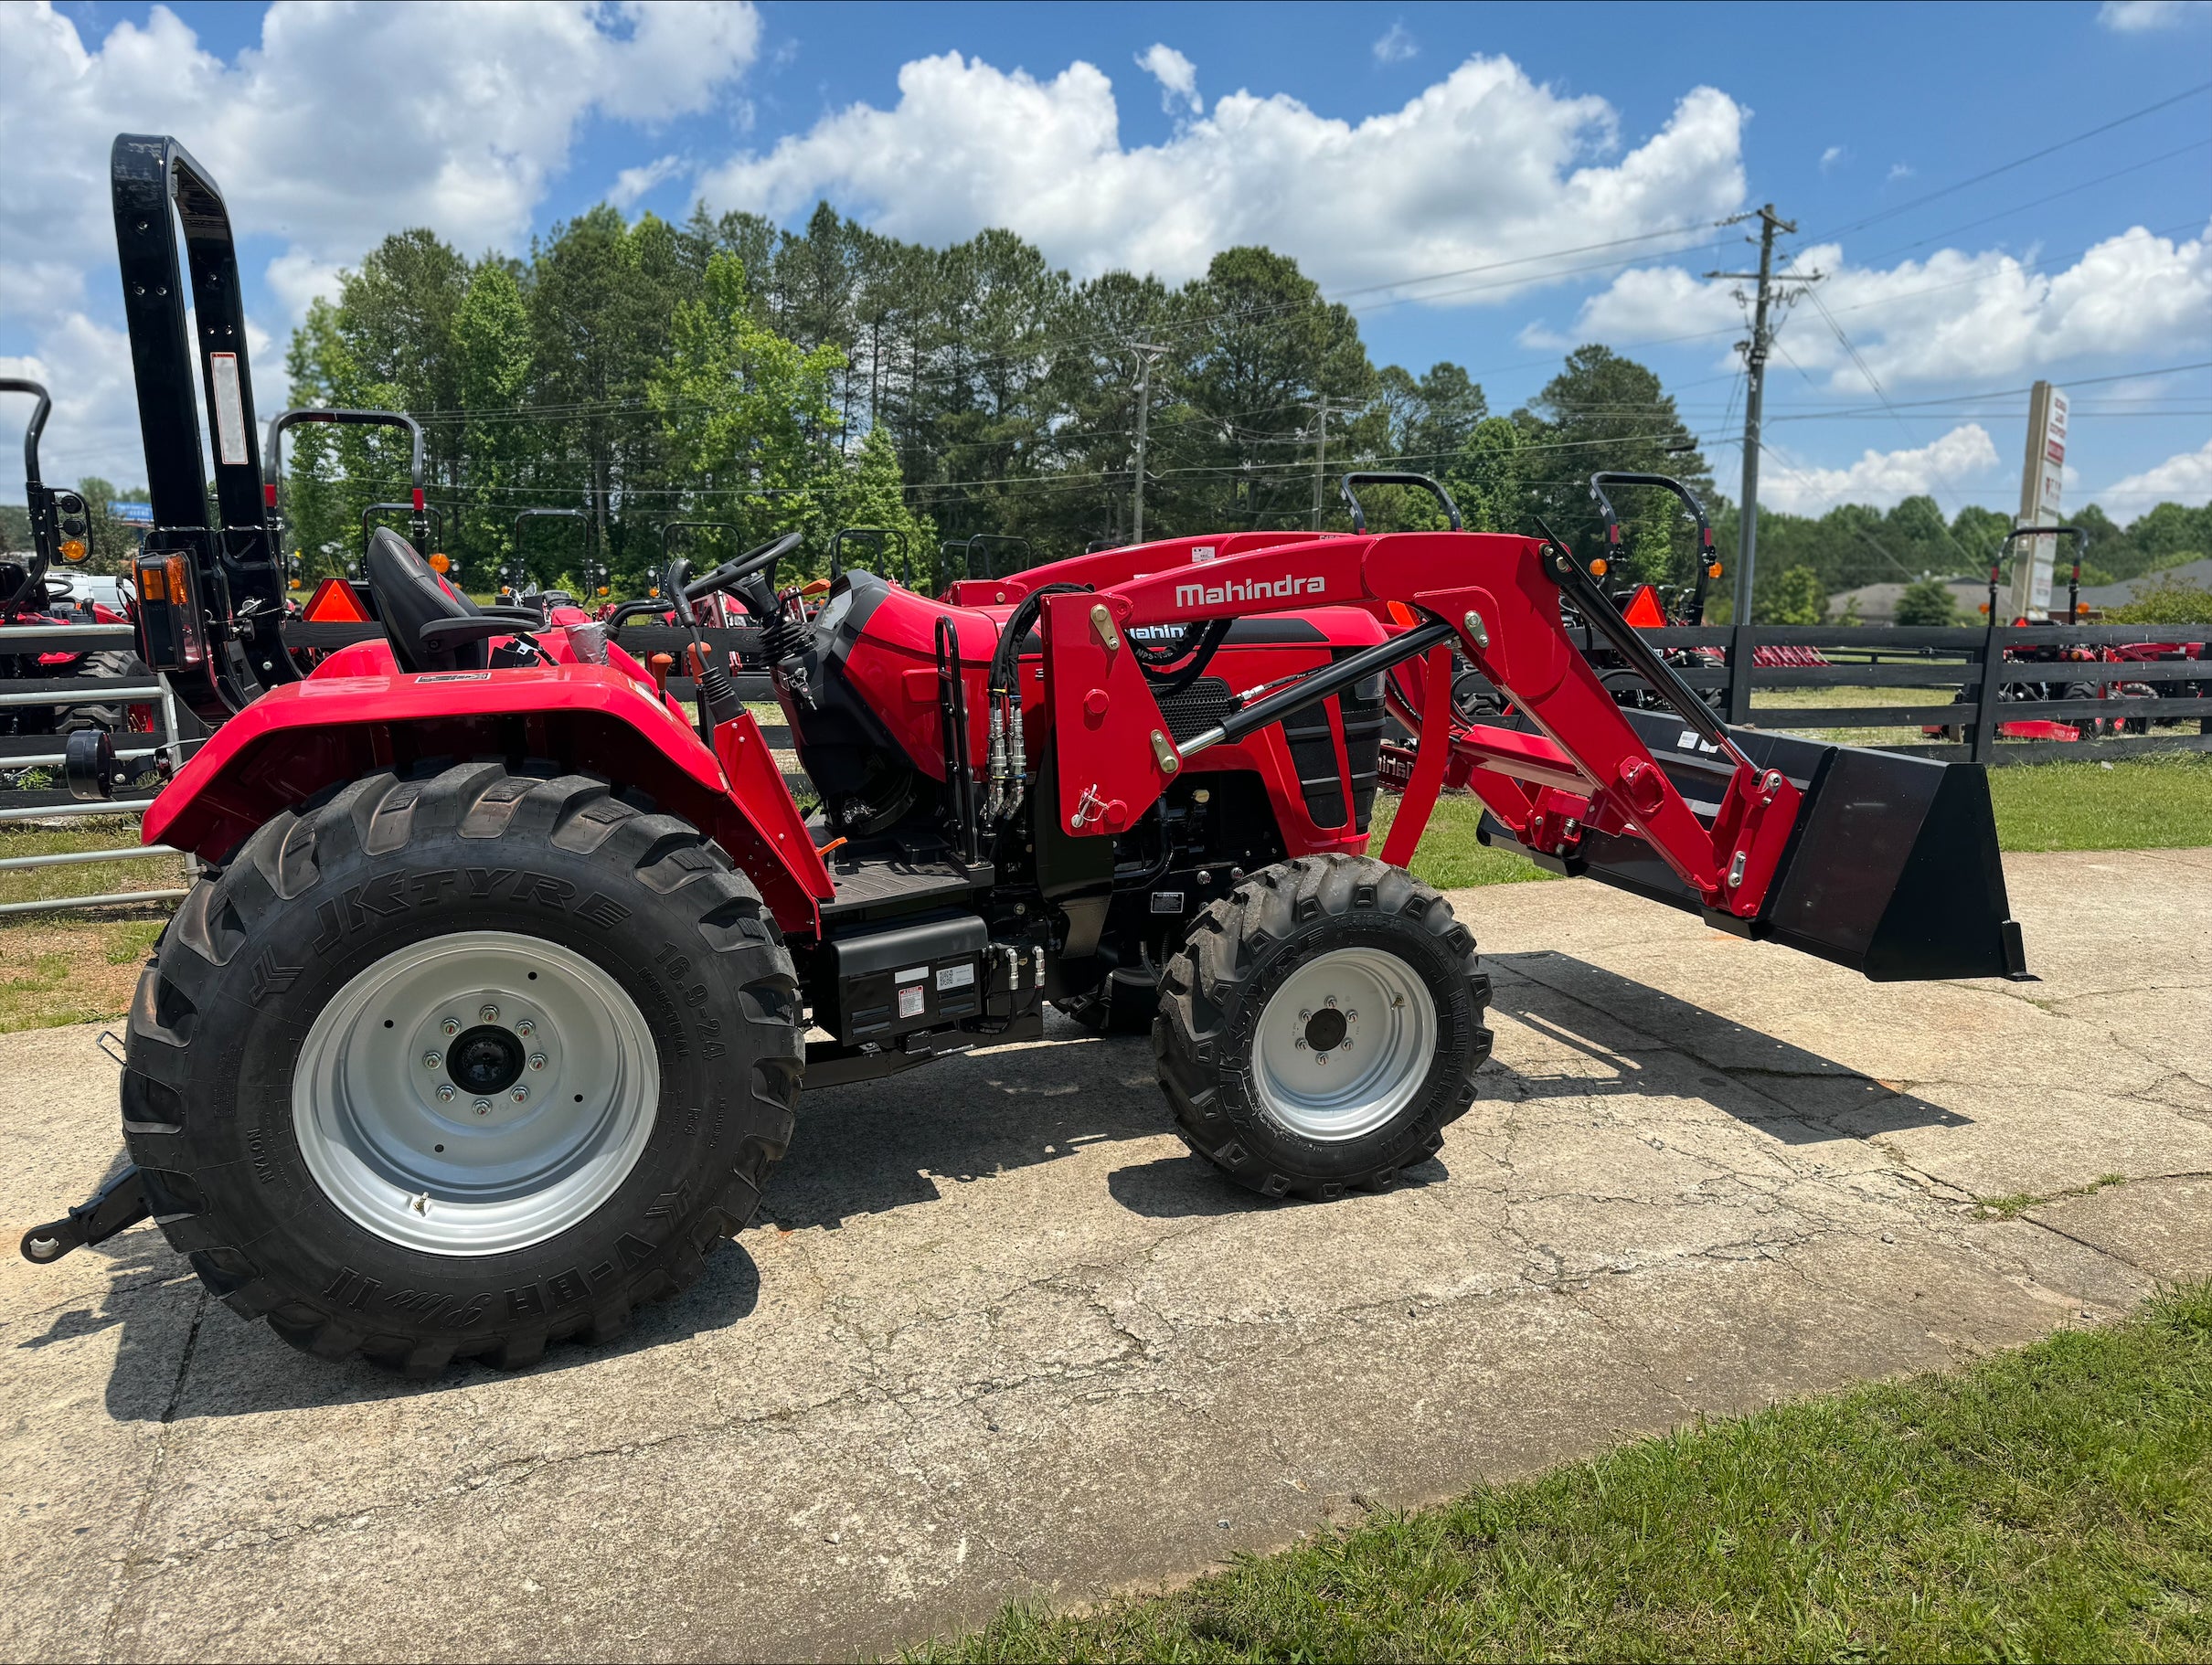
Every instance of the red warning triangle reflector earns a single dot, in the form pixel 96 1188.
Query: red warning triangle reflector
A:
pixel 1644 611
pixel 334 602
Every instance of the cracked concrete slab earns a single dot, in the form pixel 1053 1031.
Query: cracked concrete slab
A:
pixel 999 1333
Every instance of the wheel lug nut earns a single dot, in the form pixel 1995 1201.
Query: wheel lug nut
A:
pixel 488 1012
pixel 1352 1015
pixel 483 1107
pixel 1299 1043
pixel 451 1026
pixel 447 1092
pixel 526 1027
pixel 521 1095
pixel 1304 1012
pixel 430 1060
pixel 1330 1001
pixel 538 1060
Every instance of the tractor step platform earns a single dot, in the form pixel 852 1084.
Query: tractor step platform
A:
pixel 899 881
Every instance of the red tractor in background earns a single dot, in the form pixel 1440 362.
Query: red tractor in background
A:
pixel 492 1013
pixel 34 596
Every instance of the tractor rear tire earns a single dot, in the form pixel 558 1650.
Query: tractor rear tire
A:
pixel 1276 1073
pixel 422 1186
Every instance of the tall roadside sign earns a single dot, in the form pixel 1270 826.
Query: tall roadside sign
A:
pixel 2041 481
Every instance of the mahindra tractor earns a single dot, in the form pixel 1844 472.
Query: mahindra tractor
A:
pixel 492 1009
pixel 34 596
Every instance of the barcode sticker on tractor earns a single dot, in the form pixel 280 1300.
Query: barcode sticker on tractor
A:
pixel 229 408
pixel 955 977
pixel 910 1000
pixel 1203 552
pixel 911 974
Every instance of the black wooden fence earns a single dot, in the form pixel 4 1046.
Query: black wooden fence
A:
pixel 1977 680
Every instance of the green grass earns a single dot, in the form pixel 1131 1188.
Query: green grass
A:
pixel 1448 855
pixel 2162 801
pixel 76 967
pixel 2051 1503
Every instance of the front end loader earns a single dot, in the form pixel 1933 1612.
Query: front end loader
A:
pixel 492 1011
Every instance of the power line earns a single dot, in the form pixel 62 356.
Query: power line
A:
pixel 2017 161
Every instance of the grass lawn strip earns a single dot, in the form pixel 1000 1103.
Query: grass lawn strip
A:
pixel 2054 1502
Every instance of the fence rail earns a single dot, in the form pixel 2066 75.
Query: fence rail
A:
pixel 21 752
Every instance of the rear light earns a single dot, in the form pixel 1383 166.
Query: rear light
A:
pixel 73 550
pixel 438 563
pixel 170 629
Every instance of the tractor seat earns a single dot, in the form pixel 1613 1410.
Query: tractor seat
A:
pixel 409 595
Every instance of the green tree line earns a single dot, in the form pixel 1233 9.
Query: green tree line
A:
pixel 724 369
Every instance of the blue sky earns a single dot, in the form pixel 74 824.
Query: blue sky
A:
pixel 1380 144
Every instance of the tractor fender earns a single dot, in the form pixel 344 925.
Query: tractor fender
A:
pixel 296 740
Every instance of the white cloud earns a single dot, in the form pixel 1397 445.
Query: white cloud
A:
pixel 1483 166
pixel 2185 477
pixel 1901 170
pixel 2138 16
pixel 1880 478
pixel 633 183
pixel 1178 76
pixel 342 123
pixel 1396 45
pixel 1833 157
pixel 1956 316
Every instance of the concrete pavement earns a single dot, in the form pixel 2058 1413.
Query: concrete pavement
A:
pixel 999 1333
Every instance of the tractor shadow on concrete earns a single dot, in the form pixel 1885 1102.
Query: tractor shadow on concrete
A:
pixel 180 1353
pixel 1616 1038
pixel 1629 1038
pixel 884 1145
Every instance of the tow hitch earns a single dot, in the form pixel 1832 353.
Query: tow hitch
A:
pixel 116 1206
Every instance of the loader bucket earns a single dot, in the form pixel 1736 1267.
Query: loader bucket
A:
pixel 1892 871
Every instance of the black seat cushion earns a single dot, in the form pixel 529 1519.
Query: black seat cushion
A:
pixel 409 595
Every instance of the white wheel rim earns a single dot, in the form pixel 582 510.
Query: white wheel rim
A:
pixel 476 1169
pixel 1344 1044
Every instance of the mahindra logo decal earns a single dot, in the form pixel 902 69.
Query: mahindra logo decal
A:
pixel 1254 589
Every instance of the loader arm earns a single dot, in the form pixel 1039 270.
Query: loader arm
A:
pixel 1581 774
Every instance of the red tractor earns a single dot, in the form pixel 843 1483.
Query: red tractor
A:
pixel 492 1013
pixel 34 596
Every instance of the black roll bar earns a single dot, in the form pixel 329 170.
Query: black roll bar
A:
pixel 419 524
pixel 2073 588
pixel 1420 483
pixel 884 537
pixel 437 521
pixel 10 384
pixel 969 547
pixel 1706 559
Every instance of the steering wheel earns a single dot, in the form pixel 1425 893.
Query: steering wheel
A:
pixel 761 559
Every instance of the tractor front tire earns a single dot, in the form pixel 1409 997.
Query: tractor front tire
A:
pixel 460 1064
pixel 1321 1026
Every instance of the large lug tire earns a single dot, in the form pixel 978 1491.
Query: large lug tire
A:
pixel 114 717
pixel 1321 1026
pixel 289 1046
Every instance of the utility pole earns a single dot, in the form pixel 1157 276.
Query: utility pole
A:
pixel 1321 453
pixel 1755 353
pixel 1145 353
